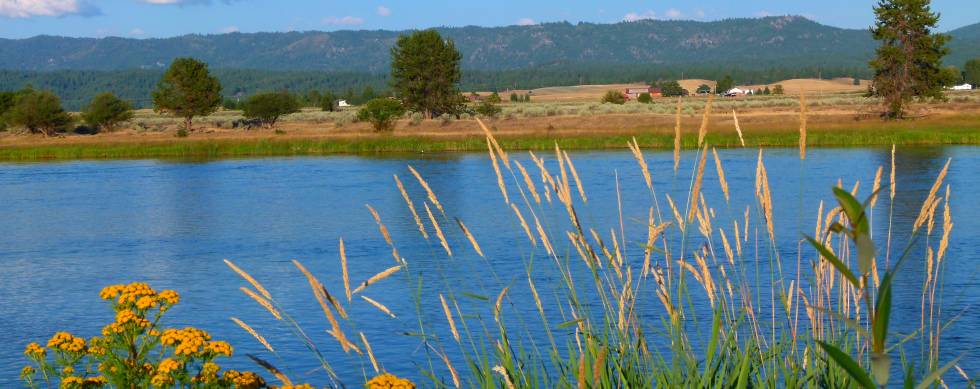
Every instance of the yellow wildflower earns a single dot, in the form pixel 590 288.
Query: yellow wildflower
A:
pixel 27 371
pixel 209 373
pixel 170 297
pixel 161 380
pixel 110 292
pixel 98 381
pixel 220 348
pixel 188 341
pixel 126 317
pixel 132 292
pixel 66 342
pixel 34 350
pixel 168 366
pixel 71 382
pixel 389 381
pixel 246 380
pixel 300 386
pixel 146 302
pixel 68 370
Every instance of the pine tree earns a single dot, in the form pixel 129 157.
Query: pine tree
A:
pixel 187 90
pixel 909 60
pixel 425 73
pixel 971 72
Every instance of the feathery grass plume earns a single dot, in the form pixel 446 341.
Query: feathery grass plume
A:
pixel 578 182
pixel 947 228
pixel 738 128
pixel 892 185
pixel 721 174
pixel 496 146
pixel 765 196
pixel 370 353
pixel 528 182
pixel 545 176
pixel 677 136
pixel 343 270
pixel 728 248
pixel 696 189
pixel 466 231
pixel 705 118
pixel 544 237
pixel 449 317
pixel 262 301
pixel 635 149
pixel 435 225
pixel 582 383
pixel 499 304
pixel 600 364
pixel 428 190
pixel 663 294
pixel 250 280
pixel 496 170
pixel 449 365
pixel 271 369
pixel 537 299
pixel 677 214
pixel 254 334
pixel 384 232
pixel 381 307
pixel 527 230
pixel 738 240
pixel 411 207
pixel 928 203
pixel 802 125
pixel 875 187
pixel 565 192
pixel 503 373
pixel 377 277
pixel 319 292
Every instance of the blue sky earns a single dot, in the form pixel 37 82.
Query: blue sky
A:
pixel 164 18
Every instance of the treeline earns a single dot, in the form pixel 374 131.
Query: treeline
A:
pixel 77 87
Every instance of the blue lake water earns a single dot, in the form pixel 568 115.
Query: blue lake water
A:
pixel 70 228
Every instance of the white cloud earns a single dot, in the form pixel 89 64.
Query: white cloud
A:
pixel 229 30
pixel 31 8
pixel 526 22
pixel 137 32
pixel 673 13
pixel 633 16
pixel 699 13
pixel 343 21
pixel 384 11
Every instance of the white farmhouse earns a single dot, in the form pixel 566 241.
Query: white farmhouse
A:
pixel 961 87
pixel 735 92
pixel 342 103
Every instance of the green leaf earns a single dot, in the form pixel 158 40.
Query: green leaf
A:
pixel 841 267
pixel 866 253
pixel 475 296
pixel 910 377
pixel 570 323
pixel 713 344
pixel 853 209
pixel 849 365
pixel 936 374
pixel 883 309
pixel 743 372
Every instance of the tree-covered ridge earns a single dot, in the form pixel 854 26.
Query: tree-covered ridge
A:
pixel 748 43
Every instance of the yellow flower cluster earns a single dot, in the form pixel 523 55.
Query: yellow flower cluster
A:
pixel 389 381
pixel 209 373
pixel 188 341
pixel 219 348
pixel 300 386
pixel 34 350
pixel 71 382
pixel 96 346
pixel 168 366
pixel 27 371
pixel 161 381
pixel 244 380
pixel 140 295
pixel 66 342
pixel 126 316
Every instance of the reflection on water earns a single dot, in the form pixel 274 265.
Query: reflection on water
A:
pixel 70 228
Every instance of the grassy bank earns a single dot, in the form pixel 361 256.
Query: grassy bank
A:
pixel 960 132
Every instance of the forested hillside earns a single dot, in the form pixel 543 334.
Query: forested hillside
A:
pixel 747 43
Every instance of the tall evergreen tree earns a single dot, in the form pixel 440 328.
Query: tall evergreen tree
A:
pixel 971 72
pixel 425 73
pixel 909 60
pixel 187 90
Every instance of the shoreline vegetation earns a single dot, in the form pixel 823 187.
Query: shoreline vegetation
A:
pixel 464 136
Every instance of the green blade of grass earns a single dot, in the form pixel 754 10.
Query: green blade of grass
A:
pixel 848 364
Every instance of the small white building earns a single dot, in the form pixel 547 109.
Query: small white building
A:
pixel 735 92
pixel 961 87
pixel 342 103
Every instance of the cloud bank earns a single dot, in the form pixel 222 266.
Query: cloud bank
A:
pixel 22 9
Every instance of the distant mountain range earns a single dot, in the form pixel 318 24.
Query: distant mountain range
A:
pixel 788 41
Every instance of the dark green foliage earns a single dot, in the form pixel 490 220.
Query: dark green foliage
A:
pixel 767 91
pixel 703 89
pixel 909 61
pixel 494 98
pixel 614 97
pixel 778 90
pixel 489 107
pixel 106 111
pixel 644 98
pixel 425 72
pixel 269 107
pixel 230 104
pixel 725 84
pixel 514 98
pixel 971 72
pixel 857 81
pixel 312 98
pixel 328 102
pixel 672 89
pixel 38 112
pixel 6 102
pixel 187 90
pixel 382 113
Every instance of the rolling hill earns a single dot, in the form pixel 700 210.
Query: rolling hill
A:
pixel 787 41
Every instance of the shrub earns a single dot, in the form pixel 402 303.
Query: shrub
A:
pixel 187 90
pixel 489 108
pixel 106 111
pixel 672 89
pixel 269 107
pixel 181 133
pixel 778 89
pixel 382 113
pixel 39 112
pixel 644 98
pixel 416 118
pixel 614 97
